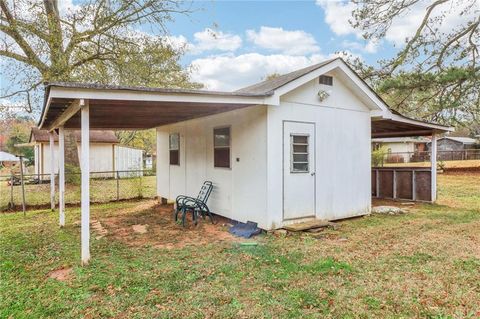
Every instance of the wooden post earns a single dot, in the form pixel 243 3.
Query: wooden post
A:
pixel 61 175
pixel 433 158
pixel 52 170
pixel 85 183
pixel 118 186
pixel 11 191
pixel 23 185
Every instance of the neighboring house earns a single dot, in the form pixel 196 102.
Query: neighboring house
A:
pixel 402 149
pixel 454 143
pixel 457 148
pixel 105 153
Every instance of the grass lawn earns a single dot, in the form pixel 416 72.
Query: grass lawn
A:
pixel 422 264
pixel 101 190
pixel 448 164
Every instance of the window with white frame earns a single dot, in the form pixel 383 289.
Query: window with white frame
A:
pixel 174 147
pixel 299 154
pixel 221 147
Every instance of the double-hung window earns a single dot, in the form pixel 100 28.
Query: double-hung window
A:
pixel 174 147
pixel 221 147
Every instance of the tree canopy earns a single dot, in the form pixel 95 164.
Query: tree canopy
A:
pixel 436 74
pixel 94 41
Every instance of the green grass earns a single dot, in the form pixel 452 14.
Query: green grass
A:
pixel 101 190
pixel 422 264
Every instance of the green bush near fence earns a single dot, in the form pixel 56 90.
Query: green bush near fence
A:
pixel 378 156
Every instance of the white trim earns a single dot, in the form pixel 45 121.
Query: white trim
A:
pixel 402 119
pixel 52 170
pixel 433 158
pixel 85 184
pixel 61 175
pixel 338 64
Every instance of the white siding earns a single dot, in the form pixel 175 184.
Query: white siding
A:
pixel 342 150
pixel 128 159
pixel 239 193
pixel 101 158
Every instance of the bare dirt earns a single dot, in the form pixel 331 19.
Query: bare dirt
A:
pixel 152 224
pixel 62 274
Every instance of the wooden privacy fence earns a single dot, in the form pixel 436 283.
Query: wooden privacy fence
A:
pixel 408 183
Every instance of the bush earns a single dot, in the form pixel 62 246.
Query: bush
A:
pixel 378 156
pixel 72 174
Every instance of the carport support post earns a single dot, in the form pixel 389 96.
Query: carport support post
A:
pixel 52 170
pixel 433 159
pixel 85 184
pixel 61 176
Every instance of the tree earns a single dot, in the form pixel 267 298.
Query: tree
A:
pixel 19 133
pixel 96 41
pixel 436 75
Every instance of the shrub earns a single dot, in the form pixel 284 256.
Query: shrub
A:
pixel 378 156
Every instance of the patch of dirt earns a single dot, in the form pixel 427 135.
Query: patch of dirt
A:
pixel 152 224
pixel 98 228
pixel 140 229
pixel 62 274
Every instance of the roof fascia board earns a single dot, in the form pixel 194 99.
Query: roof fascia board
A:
pixel 377 104
pixel 437 127
pixel 105 94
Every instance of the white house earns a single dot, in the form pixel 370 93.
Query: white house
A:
pixel 286 150
pixel 106 154
pixel 402 149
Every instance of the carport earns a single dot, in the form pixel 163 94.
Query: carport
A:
pixel 88 106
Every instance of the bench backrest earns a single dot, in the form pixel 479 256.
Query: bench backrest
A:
pixel 205 191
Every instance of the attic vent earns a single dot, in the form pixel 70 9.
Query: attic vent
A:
pixel 325 80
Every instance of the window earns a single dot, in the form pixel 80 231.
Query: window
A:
pixel 325 80
pixel 174 147
pixel 221 147
pixel 299 153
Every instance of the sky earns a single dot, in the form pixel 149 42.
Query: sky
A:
pixel 232 44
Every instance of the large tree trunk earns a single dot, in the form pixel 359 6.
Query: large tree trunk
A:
pixel 71 152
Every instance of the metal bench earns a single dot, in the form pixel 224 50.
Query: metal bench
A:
pixel 196 206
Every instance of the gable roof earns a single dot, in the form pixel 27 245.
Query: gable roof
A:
pixel 37 135
pixel 463 140
pixel 270 85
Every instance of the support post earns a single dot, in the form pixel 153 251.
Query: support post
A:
pixel 52 170
pixel 23 186
pixel 61 175
pixel 433 159
pixel 85 183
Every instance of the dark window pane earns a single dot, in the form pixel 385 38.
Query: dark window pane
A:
pixel 300 148
pixel 300 139
pixel 221 136
pixel 300 167
pixel 174 157
pixel 300 157
pixel 221 157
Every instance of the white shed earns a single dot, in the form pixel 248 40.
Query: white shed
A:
pixel 286 150
pixel 106 154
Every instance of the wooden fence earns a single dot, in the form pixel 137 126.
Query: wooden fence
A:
pixel 405 183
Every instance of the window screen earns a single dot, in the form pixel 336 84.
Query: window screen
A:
pixel 174 146
pixel 221 147
pixel 299 154
pixel 325 80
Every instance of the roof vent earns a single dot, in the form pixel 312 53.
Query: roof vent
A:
pixel 325 80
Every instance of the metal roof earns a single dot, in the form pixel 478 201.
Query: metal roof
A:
pixel 37 135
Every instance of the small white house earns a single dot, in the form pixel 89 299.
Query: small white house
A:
pixel 106 154
pixel 286 150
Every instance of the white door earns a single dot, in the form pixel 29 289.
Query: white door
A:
pixel 298 170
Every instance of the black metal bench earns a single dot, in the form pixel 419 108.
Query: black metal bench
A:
pixel 196 206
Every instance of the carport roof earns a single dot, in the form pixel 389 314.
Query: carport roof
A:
pixel 126 107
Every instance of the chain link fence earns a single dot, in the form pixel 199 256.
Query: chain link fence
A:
pixel 424 156
pixel 105 187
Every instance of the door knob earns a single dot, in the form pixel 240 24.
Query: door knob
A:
pixel 312 173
